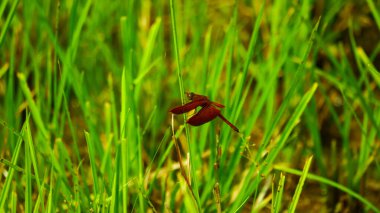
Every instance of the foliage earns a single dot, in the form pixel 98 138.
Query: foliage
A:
pixel 86 88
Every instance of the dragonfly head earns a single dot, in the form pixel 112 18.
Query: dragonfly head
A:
pixel 190 95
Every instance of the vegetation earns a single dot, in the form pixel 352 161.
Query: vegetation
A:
pixel 86 88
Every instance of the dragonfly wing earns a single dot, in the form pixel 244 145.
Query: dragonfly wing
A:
pixel 188 107
pixel 217 104
pixel 204 115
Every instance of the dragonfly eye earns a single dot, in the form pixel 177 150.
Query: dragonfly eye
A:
pixel 190 95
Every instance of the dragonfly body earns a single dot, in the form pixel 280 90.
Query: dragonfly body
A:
pixel 207 113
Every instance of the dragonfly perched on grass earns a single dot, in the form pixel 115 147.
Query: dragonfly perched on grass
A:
pixel 208 112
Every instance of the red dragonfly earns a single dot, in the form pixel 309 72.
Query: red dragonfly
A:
pixel 208 112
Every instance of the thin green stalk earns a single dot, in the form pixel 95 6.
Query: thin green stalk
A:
pixel 7 23
pixel 91 154
pixel 278 194
pixel 297 194
pixel 5 192
pixel 182 92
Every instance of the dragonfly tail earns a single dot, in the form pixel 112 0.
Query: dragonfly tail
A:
pixel 229 123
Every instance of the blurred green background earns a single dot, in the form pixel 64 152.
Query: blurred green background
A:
pixel 86 88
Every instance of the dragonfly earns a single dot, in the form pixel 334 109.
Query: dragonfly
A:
pixel 208 112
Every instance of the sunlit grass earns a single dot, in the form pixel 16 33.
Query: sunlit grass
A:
pixel 86 88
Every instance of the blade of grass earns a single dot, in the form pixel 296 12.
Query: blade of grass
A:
pixel 311 115
pixel 10 101
pixel 33 160
pixel 40 202
pixel 278 194
pixel 247 62
pixel 182 92
pixel 327 181
pixel 145 66
pixel 50 204
pixel 105 167
pixel 13 202
pixel 375 12
pixel 92 157
pixel 176 51
pixel 2 7
pixel 33 107
pixel 115 198
pixel 140 168
pixel 28 174
pixel 222 57
pixel 161 160
pixel 369 65
pixel 206 57
pixel 8 181
pixel 4 69
pixel 124 146
pixel 77 190
pixel 5 27
pixel 301 182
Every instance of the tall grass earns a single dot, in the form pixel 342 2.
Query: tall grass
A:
pixel 86 88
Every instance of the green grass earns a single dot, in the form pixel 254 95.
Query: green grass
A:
pixel 86 88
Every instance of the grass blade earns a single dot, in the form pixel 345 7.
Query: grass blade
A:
pixel 5 191
pixel 278 194
pixel 297 194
